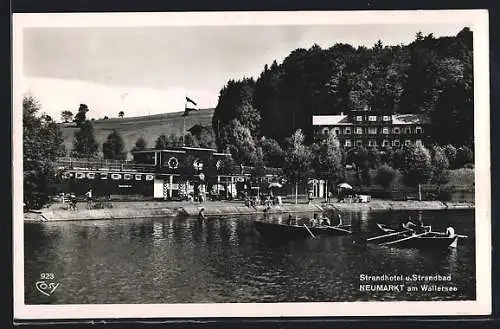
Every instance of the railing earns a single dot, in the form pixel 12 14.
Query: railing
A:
pixel 102 164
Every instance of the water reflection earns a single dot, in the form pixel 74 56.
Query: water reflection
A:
pixel 224 260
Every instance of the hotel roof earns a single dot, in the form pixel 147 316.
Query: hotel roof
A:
pixel 396 119
pixel 323 120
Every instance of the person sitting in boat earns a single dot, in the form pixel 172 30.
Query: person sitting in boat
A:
pixel 325 221
pixel 314 220
pixel 201 214
pixel 450 231
pixel 341 222
pixel 289 220
pixel 416 229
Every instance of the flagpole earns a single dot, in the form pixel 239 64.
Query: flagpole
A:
pixel 184 120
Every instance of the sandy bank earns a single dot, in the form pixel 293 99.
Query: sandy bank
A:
pixel 124 210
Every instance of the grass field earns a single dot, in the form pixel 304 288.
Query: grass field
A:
pixel 147 127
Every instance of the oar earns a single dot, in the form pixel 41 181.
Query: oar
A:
pixel 462 236
pixel 403 239
pixel 308 230
pixel 386 235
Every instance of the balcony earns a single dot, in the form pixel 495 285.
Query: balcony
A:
pixel 102 164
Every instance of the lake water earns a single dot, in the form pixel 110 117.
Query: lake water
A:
pixel 174 260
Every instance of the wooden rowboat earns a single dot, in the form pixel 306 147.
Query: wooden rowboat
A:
pixel 283 231
pixel 410 239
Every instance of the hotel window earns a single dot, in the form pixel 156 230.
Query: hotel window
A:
pixel 372 130
pixel 347 143
pixel 385 130
pixel 385 143
pixel 418 142
pixel 337 131
pixel 359 118
pixel 418 130
pixel 395 142
pixel 347 131
pixel 387 118
pixel 325 131
pixel 396 130
pixel 359 142
pixel 359 130
pixel 408 130
pixel 372 142
pixel 407 142
pixel 372 118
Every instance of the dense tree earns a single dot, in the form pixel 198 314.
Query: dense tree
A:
pixel 417 166
pixel 203 136
pixel 84 143
pixel 385 176
pixel 140 144
pixel 66 116
pixel 161 142
pixel 273 154
pixel 241 144
pixel 189 140
pixel 114 148
pixel 81 115
pixel 440 165
pixel 235 103
pixel 42 144
pixel 258 170
pixel 451 154
pixel 121 114
pixel 297 166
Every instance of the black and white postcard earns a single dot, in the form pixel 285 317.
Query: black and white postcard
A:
pixel 251 164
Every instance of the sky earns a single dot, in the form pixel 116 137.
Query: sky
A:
pixel 150 70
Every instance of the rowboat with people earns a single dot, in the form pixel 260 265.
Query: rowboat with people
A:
pixel 294 230
pixel 414 236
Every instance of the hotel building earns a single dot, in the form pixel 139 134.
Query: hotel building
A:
pixel 373 128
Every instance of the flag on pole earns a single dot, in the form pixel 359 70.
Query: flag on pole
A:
pixel 190 106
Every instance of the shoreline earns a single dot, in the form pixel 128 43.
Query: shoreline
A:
pixel 134 209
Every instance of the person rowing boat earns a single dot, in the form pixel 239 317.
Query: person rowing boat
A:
pixel 416 228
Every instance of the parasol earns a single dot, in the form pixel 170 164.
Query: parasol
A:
pixel 275 184
pixel 344 185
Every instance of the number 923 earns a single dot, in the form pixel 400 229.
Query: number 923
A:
pixel 47 276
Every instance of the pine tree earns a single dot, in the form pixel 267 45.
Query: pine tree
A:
pixel 113 147
pixel 84 144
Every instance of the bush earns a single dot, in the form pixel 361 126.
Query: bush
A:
pixel 444 195
pixel 464 155
pixel 365 176
pixel 442 177
pixel 385 176
pixel 451 153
